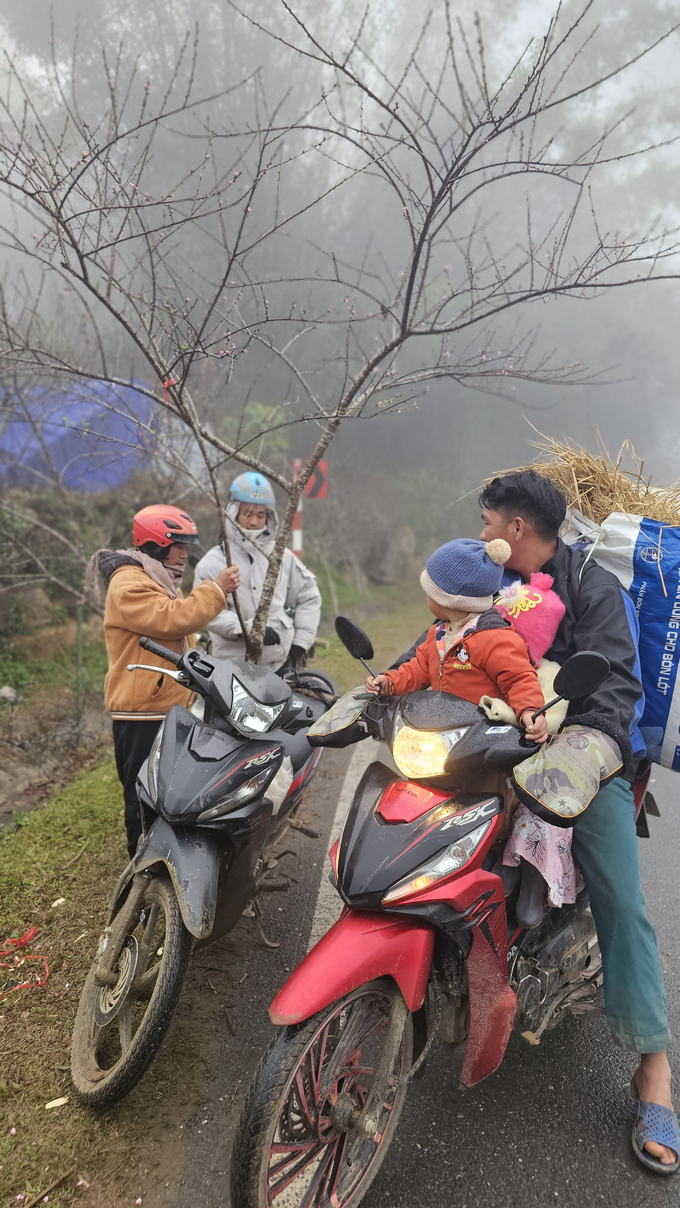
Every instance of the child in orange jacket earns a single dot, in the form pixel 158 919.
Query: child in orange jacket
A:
pixel 472 651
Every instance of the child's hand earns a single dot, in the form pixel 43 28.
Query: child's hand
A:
pixel 537 730
pixel 375 682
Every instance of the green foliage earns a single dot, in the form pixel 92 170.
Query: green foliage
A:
pixel 14 667
pixel 435 505
pixel 54 673
pixel 253 430
pixel 337 593
pixel 428 506
pixel 14 670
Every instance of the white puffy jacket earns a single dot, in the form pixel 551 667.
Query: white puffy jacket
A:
pixel 296 604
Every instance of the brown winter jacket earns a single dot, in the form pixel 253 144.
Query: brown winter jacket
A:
pixel 136 607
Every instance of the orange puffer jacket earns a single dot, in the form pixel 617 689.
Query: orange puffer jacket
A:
pixel 135 607
pixel 490 660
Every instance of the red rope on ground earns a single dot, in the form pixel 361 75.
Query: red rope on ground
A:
pixel 11 948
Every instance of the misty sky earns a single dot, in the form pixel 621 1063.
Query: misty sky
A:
pixel 628 337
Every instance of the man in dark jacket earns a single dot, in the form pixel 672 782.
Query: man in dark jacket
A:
pixel 527 510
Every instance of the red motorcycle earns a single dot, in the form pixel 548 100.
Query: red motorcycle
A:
pixel 427 947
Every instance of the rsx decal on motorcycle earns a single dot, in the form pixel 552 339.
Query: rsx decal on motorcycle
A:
pixel 257 760
pixel 477 814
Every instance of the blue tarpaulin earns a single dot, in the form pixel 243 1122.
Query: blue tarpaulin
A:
pixel 83 436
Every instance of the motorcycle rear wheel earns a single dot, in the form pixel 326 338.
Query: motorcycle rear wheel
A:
pixel 107 1061
pixel 288 1143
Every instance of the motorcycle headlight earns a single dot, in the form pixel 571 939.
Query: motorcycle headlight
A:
pixel 448 861
pixel 248 715
pixel 154 760
pixel 422 753
pixel 245 792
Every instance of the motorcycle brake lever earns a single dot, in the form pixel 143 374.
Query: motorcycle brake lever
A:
pixel 180 676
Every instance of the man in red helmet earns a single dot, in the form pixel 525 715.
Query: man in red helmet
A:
pixel 144 599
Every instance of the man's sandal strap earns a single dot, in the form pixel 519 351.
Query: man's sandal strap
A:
pixel 658 1124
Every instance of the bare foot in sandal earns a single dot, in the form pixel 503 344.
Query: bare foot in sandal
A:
pixel 653 1082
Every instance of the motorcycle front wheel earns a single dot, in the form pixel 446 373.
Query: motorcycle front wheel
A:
pixel 119 1029
pixel 295 1144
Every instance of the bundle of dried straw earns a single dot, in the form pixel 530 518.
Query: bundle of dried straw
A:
pixel 599 485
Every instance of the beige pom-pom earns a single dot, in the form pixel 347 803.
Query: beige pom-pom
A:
pixel 498 550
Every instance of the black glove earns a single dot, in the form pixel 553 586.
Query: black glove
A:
pixel 297 657
pixel 271 637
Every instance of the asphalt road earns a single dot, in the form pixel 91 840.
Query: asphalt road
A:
pixel 552 1126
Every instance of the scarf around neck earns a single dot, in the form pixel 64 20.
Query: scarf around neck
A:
pixel 106 561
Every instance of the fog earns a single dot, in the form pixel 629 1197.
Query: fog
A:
pixel 448 435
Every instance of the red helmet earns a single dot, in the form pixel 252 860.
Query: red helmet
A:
pixel 163 525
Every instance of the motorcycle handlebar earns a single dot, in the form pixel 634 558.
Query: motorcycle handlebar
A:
pixel 161 652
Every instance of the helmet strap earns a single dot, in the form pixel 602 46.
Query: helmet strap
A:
pixel 158 552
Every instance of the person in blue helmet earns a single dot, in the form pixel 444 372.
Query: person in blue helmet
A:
pixel 296 605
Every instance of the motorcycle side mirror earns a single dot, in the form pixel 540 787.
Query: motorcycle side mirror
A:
pixel 355 640
pixel 580 675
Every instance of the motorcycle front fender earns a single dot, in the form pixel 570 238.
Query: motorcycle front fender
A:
pixel 363 945
pixel 192 858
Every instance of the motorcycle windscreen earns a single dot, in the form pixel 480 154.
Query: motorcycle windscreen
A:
pixel 342 714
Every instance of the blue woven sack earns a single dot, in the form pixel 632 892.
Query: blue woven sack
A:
pixel 645 557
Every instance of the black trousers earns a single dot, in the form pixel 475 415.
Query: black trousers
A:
pixel 132 741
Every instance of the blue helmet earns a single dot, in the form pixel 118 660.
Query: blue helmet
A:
pixel 252 487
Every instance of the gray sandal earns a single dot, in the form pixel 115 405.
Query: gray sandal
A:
pixel 654 1123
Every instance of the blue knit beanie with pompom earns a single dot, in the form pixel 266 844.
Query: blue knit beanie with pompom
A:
pixel 465 574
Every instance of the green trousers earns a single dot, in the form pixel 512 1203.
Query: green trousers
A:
pixel 605 846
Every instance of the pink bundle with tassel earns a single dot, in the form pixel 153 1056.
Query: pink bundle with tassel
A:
pixel 534 612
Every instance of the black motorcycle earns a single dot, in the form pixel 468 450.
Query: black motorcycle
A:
pixel 223 788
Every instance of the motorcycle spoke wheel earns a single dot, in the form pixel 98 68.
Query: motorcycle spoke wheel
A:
pixel 107 1060
pixel 310 1156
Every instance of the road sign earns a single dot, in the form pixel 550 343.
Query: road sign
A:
pixel 317 487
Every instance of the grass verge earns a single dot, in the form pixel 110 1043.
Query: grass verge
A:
pixel 391 633
pixel 73 848
pixel 56 871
